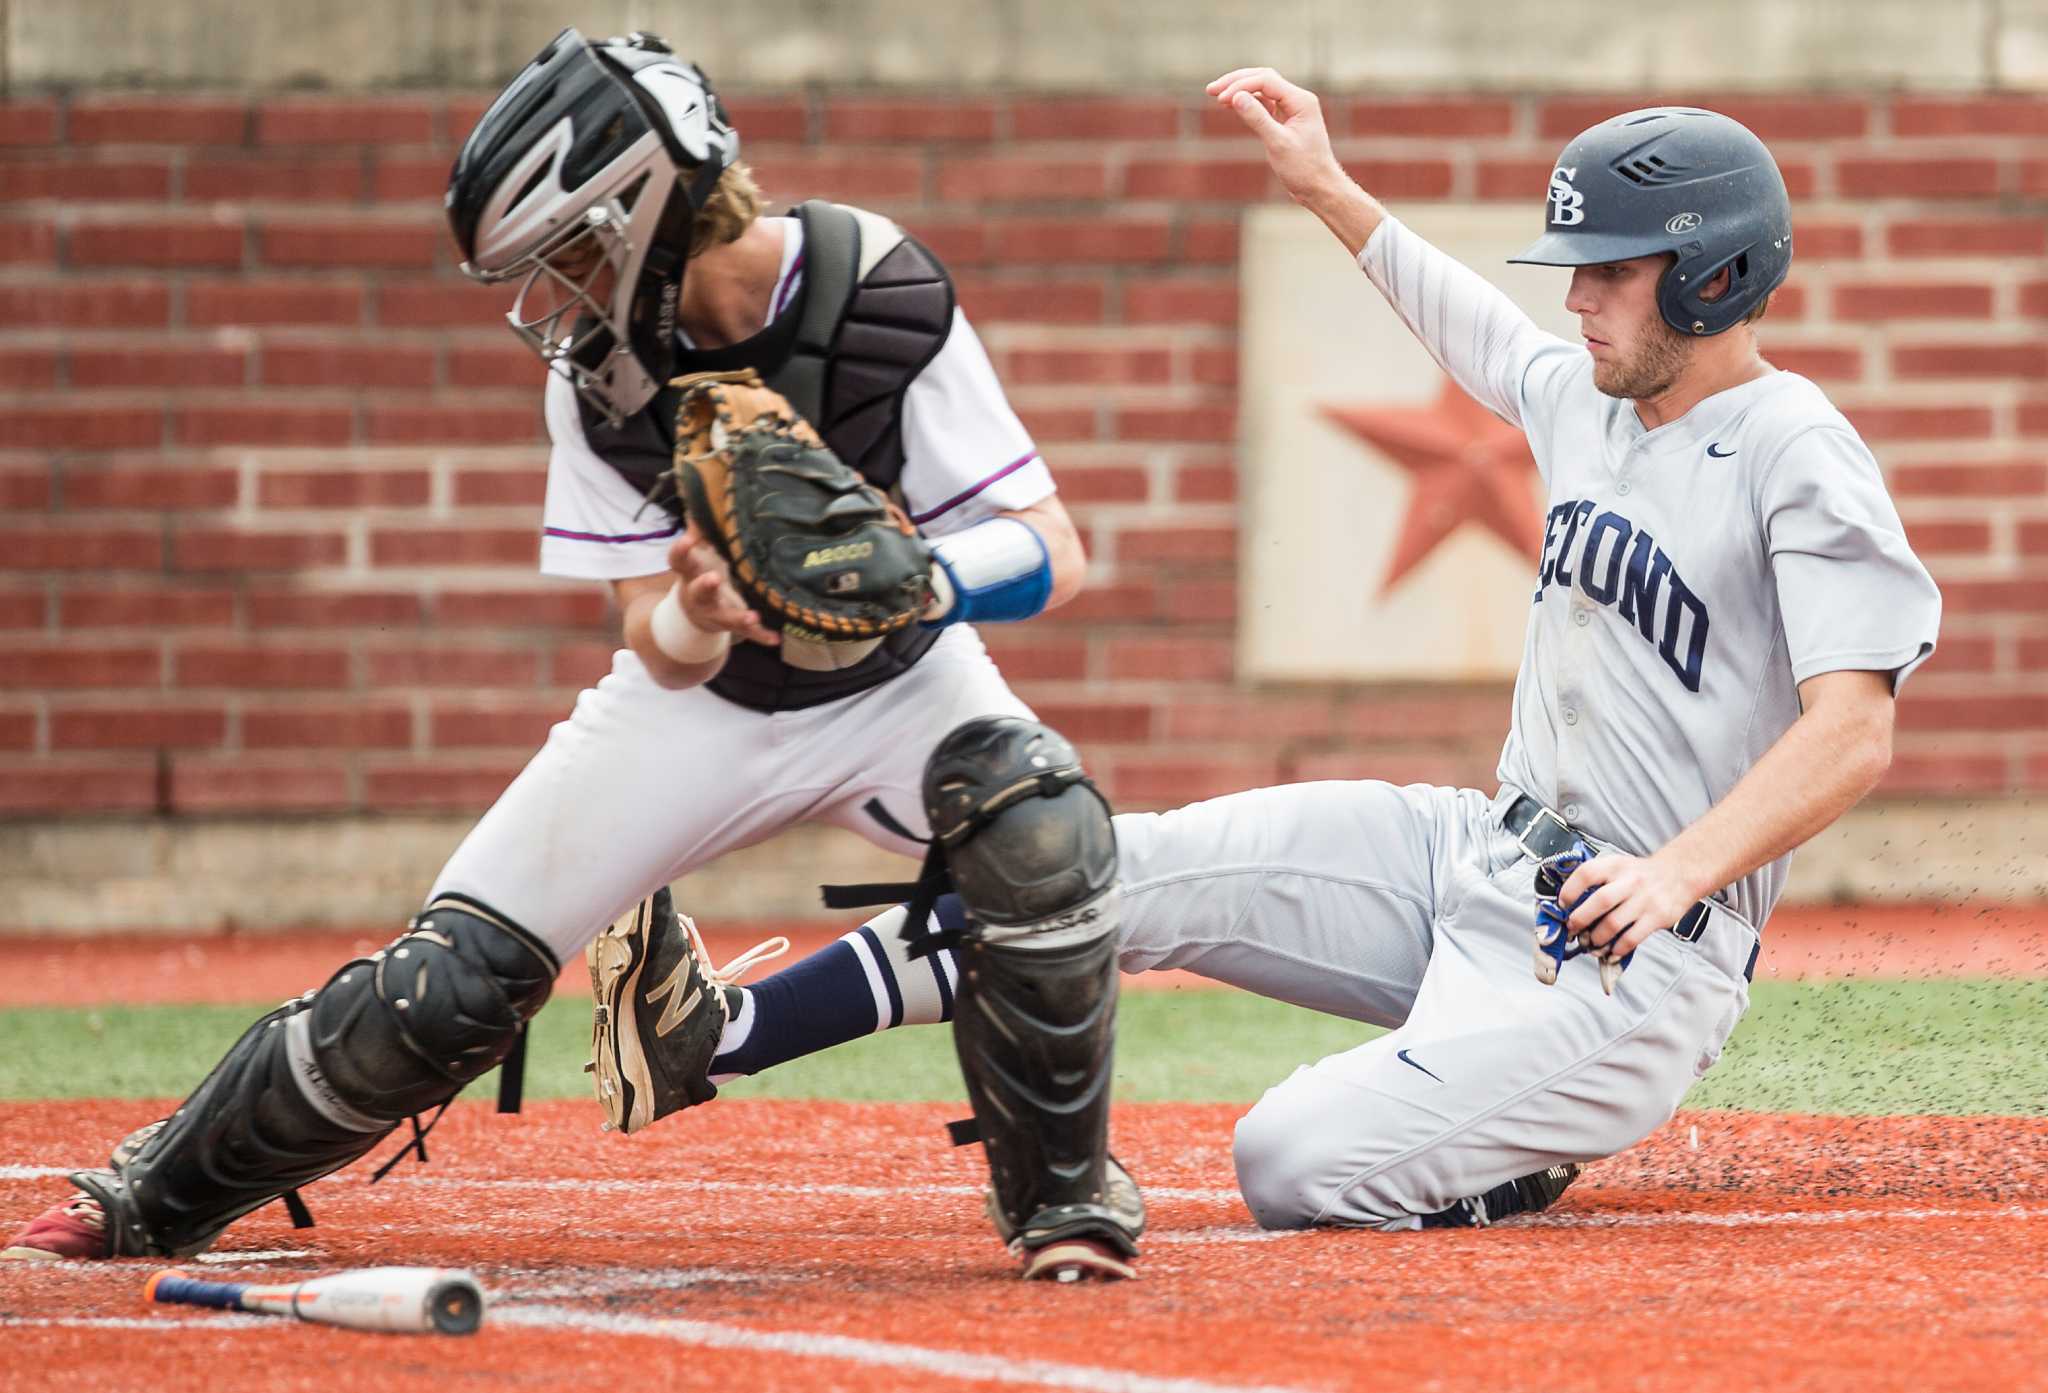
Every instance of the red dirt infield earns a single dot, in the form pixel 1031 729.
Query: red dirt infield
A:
pixel 765 1245
pixel 777 1245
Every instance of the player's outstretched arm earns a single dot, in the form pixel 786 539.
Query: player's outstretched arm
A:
pixel 1288 120
pixel 1821 767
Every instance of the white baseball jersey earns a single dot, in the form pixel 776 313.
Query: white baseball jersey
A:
pixel 641 785
pixel 1692 576
pixel 966 458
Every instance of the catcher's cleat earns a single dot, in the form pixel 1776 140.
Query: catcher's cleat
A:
pixel 1085 1246
pixel 1077 1260
pixel 659 1012
pixel 75 1230
pixel 1531 1194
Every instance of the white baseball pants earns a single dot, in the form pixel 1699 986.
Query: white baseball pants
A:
pixel 641 785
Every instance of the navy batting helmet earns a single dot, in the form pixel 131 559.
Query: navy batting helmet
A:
pixel 1681 180
pixel 597 154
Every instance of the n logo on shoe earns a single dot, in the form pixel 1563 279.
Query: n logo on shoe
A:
pixel 679 1005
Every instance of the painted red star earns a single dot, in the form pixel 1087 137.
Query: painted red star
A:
pixel 1467 465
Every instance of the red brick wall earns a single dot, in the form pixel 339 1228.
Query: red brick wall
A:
pixel 270 471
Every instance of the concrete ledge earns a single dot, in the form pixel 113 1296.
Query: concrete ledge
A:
pixel 150 875
pixel 1052 45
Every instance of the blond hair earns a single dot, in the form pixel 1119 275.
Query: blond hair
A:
pixel 734 204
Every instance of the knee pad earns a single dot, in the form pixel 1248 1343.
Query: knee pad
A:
pixel 320 1081
pixel 1026 837
pixel 405 1028
pixel 1029 848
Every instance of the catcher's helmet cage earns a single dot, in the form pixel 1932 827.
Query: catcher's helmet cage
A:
pixel 1673 179
pixel 596 155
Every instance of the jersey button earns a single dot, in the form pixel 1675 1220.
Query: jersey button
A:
pixel 1571 715
pixel 1571 812
pixel 1622 488
pixel 1581 618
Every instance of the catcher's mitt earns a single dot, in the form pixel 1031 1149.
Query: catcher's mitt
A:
pixel 810 542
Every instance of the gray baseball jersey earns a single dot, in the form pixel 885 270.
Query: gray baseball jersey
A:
pixel 1692 576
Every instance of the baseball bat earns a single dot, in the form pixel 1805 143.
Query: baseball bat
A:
pixel 430 1300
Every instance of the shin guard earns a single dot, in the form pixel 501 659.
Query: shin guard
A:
pixel 321 1080
pixel 1030 849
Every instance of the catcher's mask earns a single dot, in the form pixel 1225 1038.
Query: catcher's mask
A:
pixel 1673 179
pixel 597 157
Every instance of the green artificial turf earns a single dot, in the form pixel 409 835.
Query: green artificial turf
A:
pixel 1952 1046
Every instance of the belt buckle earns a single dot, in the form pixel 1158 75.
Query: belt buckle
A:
pixel 1692 925
pixel 1522 838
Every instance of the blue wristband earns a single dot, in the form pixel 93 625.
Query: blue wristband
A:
pixel 999 571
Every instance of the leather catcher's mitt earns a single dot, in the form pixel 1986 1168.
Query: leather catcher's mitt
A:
pixel 809 540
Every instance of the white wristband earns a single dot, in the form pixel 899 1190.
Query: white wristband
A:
pixel 677 637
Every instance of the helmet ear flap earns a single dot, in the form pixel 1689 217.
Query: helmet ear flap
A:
pixel 1680 294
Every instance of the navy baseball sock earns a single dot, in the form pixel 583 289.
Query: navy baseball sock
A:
pixel 863 983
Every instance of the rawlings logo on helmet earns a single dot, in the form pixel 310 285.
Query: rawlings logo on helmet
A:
pixel 1683 223
pixel 1567 204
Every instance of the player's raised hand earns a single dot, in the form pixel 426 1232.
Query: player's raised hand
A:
pixel 1288 120
pixel 708 597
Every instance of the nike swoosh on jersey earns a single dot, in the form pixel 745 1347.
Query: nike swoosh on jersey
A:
pixel 1402 1055
pixel 678 1005
pixel 1718 454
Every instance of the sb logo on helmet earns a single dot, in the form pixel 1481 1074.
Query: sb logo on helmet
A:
pixel 1567 204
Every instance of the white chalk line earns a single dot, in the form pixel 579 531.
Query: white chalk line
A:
pixel 884 1354
pixel 1222 1233
pixel 945 1363
pixel 1567 1219
pixel 766 1187
pixel 178 1323
pixel 663 1183
pixel 1744 1219
pixel 620 1281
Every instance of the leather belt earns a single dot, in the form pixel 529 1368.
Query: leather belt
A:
pixel 1544 834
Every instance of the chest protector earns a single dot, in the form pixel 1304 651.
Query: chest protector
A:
pixel 874 309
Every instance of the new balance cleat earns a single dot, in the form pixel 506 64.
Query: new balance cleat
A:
pixel 659 1010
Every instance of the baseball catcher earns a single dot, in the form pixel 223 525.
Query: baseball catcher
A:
pixel 603 186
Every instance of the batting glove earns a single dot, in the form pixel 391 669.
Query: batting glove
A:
pixel 1555 945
